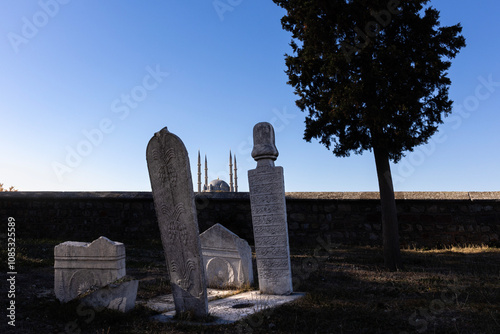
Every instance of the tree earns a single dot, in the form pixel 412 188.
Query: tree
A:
pixel 5 189
pixel 372 75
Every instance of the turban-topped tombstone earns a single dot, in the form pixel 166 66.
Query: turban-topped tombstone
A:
pixel 268 206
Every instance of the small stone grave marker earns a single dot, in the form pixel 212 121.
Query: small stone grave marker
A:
pixel 227 258
pixel 80 266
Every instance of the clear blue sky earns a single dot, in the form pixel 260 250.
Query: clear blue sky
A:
pixel 118 71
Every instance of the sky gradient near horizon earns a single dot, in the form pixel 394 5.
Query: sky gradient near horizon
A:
pixel 85 85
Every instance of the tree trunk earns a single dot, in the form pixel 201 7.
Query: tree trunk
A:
pixel 392 254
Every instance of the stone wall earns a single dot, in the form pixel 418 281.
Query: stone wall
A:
pixel 426 218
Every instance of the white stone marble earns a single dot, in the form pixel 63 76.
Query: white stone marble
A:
pixel 237 307
pixel 165 303
pixel 120 297
pixel 171 182
pixel 268 206
pixel 227 258
pixel 80 266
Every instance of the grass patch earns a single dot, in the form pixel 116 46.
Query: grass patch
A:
pixel 448 290
pixel 462 249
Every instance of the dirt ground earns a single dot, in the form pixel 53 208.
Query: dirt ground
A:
pixel 347 291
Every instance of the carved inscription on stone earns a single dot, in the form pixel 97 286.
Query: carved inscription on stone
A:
pixel 267 196
pixel 80 266
pixel 170 175
pixel 164 170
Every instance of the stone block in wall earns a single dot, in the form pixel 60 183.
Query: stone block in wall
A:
pixel 432 209
pixel 463 219
pixel 417 208
pixel 344 208
pixel 487 219
pixel 337 235
pixel 298 217
pixel 485 228
pixel 312 217
pixel 330 208
pixel 374 218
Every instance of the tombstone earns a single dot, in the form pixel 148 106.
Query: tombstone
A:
pixel 115 296
pixel 267 201
pixel 80 266
pixel 170 176
pixel 227 258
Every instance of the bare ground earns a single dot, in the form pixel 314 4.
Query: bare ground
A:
pixel 348 291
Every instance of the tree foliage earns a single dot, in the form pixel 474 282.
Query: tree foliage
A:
pixel 6 189
pixel 370 73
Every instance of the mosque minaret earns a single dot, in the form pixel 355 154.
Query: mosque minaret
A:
pixel 219 185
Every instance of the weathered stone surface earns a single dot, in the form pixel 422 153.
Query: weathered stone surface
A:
pixel 236 307
pixel 171 182
pixel 79 266
pixel 120 297
pixel 264 147
pixel 267 201
pixel 227 258
pixel 112 214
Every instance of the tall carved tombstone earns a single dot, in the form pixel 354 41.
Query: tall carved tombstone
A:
pixel 170 176
pixel 267 201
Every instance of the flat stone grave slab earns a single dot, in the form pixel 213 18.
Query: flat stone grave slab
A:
pixel 165 303
pixel 234 308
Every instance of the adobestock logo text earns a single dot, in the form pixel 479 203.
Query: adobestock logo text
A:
pixel 95 136
pixel 31 25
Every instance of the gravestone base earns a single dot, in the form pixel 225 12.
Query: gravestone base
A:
pixel 165 303
pixel 119 297
pixel 234 308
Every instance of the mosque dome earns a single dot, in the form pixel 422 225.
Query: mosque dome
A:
pixel 218 185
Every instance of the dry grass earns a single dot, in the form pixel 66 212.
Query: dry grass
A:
pixel 463 249
pixel 449 290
